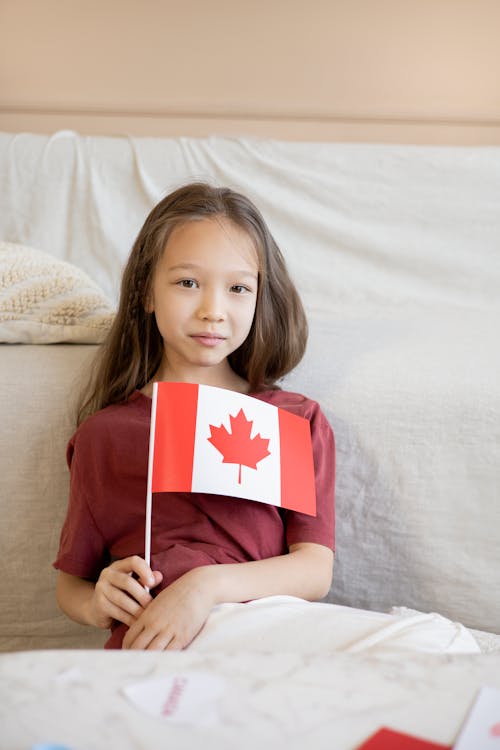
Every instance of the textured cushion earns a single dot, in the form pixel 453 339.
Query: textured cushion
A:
pixel 44 300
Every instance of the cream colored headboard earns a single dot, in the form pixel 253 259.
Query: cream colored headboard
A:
pixel 351 70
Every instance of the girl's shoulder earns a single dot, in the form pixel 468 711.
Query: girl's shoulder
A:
pixel 113 419
pixel 291 401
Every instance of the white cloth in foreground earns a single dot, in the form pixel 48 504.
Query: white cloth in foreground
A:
pixel 286 623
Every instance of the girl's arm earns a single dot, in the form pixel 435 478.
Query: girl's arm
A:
pixel 179 612
pixel 116 595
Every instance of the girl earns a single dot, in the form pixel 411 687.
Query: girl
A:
pixel 205 298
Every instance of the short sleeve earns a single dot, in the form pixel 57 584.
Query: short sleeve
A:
pixel 319 529
pixel 82 551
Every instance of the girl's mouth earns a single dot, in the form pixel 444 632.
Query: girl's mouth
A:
pixel 208 339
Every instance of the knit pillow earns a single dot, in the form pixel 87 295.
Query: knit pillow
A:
pixel 44 300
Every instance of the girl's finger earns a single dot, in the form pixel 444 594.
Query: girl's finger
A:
pixel 125 602
pixel 161 642
pixel 132 636
pixel 124 582
pixel 143 639
pixel 176 644
pixel 137 591
pixel 119 614
pixel 139 566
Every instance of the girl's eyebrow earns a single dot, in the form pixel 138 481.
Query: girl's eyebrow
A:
pixel 193 266
pixel 182 265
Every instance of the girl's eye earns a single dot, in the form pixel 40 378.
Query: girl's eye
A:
pixel 239 289
pixel 187 283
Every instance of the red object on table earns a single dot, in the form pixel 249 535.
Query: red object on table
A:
pixel 388 739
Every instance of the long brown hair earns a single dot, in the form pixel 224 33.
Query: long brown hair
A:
pixel 133 349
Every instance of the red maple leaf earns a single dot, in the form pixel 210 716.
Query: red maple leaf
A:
pixel 237 447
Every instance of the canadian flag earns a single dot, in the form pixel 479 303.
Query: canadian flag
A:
pixel 206 439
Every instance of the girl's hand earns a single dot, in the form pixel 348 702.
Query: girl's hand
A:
pixel 175 617
pixel 119 596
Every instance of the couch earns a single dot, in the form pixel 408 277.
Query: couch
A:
pixel 396 253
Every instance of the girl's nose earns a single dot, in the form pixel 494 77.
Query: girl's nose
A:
pixel 211 308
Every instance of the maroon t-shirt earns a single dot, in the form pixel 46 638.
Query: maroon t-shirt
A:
pixel 108 460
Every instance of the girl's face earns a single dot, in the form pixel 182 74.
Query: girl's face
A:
pixel 204 294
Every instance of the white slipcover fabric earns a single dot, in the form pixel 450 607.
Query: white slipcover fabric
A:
pixel 396 252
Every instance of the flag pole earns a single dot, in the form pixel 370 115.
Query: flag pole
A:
pixel 149 494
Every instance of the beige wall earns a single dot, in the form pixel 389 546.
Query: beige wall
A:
pixel 370 70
